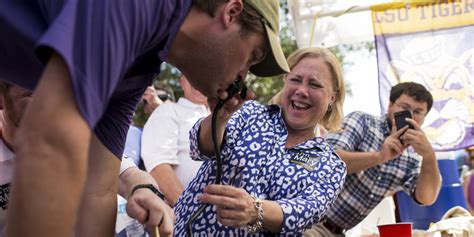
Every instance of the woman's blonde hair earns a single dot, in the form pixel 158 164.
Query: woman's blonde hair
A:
pixel 332 120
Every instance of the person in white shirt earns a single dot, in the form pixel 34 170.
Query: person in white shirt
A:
pixel 165 141
pixel 143 204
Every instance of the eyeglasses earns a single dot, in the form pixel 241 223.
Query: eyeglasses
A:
pixel 416 113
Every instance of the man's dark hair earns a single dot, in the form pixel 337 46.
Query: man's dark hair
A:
pixel 414 90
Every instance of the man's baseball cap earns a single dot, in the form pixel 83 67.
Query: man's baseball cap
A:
pixel 274 62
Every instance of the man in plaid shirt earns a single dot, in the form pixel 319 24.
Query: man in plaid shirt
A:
pixel 381 160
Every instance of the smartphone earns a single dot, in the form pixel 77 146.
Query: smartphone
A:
pixel 400 117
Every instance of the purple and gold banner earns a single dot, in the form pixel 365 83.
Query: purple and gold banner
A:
pixel 431 44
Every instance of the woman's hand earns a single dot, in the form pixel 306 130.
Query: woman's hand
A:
pixel 235 207
pixel 231 105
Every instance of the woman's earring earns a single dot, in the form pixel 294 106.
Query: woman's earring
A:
pixel 330 106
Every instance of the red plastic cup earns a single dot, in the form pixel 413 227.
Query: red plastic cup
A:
pixel 395 230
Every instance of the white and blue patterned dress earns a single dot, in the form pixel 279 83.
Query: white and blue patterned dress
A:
pixel 305 179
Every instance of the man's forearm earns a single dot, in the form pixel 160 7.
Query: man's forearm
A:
pixel 132 177
pixel 429 181
pixel 98 210
pixel 358 161
pixel 50 165
pixel 168 182
pixel 35 194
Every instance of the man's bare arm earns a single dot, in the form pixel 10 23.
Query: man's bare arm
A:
pixel 168 182
pixel 144 205
pixel 357 161
pixel 52 146
pixel 429 181
pixel 428 184
pixel 131 177
pixel 98 209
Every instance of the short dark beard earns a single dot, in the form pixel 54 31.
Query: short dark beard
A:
pixel 389 123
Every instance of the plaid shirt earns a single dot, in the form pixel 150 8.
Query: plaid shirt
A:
pixel 363 190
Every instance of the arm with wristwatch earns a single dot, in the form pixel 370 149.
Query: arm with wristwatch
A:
pixel 145 202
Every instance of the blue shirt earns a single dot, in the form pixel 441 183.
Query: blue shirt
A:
pixel 304 179
pixel 111 48
pixel 364 190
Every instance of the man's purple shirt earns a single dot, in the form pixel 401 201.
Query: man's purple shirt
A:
pixel 112 49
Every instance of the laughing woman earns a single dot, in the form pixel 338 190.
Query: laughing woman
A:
pixel 278 177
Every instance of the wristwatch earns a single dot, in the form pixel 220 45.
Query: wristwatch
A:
pixel 151 187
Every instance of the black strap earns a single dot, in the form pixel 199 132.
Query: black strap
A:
pixel 151 187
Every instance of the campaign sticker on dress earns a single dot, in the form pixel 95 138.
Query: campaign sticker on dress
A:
pixel 307 161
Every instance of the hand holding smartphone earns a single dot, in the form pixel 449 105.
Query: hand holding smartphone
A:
pixel 400 117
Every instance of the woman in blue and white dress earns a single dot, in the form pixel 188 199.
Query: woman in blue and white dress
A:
pixel 278 176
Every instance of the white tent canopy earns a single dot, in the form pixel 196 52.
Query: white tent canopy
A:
pixel 327 23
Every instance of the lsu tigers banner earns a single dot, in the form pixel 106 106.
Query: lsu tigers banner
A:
pixel 431 43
